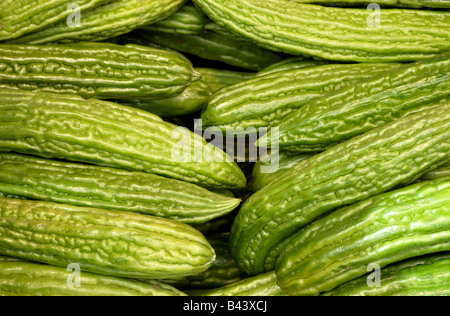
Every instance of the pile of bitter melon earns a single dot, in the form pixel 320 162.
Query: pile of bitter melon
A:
pixel 225 147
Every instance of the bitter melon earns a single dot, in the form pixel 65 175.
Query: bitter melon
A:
pixel 224 32
pixel 356 109
pixel 272 165
pixel 96 70
pixel 427 275
pixel 190 101
pixel 107 21
pixel 111 135
pixel 382 230
pixel 122 244
pixel 108 188
pixel 186 20
pixel 212 46
pixel 292 63
pixel 19 17
pixel 34 279
pixel 265 100
pixel 372 163
pixel 220 78
pixel 340 34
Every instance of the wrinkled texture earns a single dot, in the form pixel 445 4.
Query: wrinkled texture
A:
pixel 108 188
pixel 19 17
pixel 106 242
pixel 427 275
pixel 186 20
pixel 212 46
pixel 111 135
pixel 271 167
pixel 334 33
pixel 33 279
pixel 263 101
pixel 110 20
pixel 375 162
pixel 95 70
pixel 382 230
pixel 355 109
